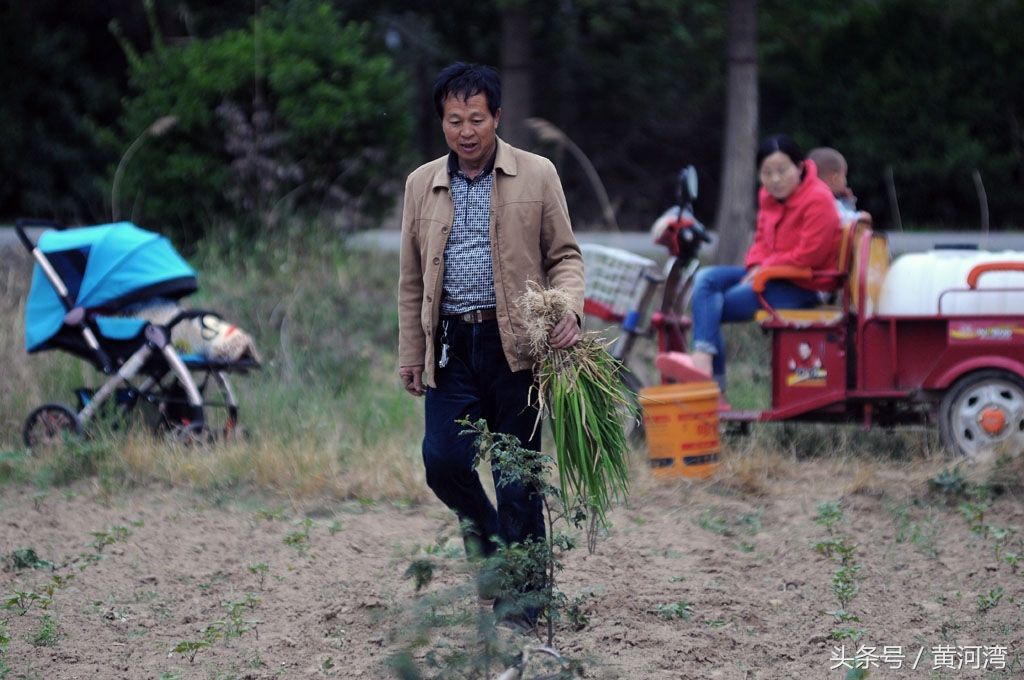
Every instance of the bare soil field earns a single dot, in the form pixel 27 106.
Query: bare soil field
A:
pixel 718 579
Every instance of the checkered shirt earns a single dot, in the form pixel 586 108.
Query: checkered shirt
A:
pixel 468 276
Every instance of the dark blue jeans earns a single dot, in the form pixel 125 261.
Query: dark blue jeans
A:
pixel 719 297
pixel 478 383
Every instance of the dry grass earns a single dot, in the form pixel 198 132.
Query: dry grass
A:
pixel 300 469
pixel 751 469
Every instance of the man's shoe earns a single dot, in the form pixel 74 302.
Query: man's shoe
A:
pixel 517 623
pixel 519 619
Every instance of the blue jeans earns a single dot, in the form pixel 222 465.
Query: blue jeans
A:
pixel 478 383
pixel 719 297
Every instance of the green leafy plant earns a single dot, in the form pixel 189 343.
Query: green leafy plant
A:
pixel 422 573
pixel 26 558
pixel 521 575
pixel 48 633
pixel 990 599
pixel 829 515
pixel 711 520
pixel 676 610
pixel 528 570
pixel 109 537
pixel 974 513
pixel 22 601
pixel 299 540
pixel 844 584
pixel 260 570
pixel 189 648
pixel 300 145
pixel 950 481
pixel 848 633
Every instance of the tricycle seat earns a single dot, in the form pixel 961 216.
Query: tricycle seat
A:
pixel 828 316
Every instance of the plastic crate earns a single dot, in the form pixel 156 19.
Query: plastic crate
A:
pixel 614 280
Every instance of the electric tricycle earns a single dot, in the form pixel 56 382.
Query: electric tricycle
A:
pixel 932 338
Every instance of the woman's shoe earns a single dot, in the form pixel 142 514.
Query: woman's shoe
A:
pixel 679 366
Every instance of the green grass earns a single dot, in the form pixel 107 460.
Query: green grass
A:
pixel 326 413
pixel 327 401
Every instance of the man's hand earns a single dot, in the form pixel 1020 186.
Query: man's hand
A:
pixel 412 379
pixel 566 332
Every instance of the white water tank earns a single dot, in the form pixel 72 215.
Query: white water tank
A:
pixel 916 280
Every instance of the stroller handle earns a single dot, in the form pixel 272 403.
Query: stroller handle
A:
pixel 19 229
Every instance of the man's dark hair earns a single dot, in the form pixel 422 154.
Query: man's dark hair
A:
pixel 783 143
pixel 464 80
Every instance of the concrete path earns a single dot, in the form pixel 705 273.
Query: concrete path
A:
pixel 640 242
pixel 386 240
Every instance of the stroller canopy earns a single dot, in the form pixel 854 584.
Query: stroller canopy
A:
pixel 104 268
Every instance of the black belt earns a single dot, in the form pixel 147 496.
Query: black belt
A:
pixel 476 316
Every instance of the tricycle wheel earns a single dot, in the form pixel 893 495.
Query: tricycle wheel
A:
pixel 982 414
pixel 50 425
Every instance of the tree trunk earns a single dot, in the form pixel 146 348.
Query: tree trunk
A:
pixel 516 96
pixel 735 219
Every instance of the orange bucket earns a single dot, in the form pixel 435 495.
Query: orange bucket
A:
pixel 681 425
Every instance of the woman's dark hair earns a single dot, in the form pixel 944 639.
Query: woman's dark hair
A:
pixel 783 143
pixel 465 80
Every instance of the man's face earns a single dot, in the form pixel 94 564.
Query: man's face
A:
pixel 470 130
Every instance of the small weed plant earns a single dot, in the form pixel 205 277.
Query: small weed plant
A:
pixel 48 634
pixel 260 571
pixel 845 581
pixel 990 599
pixel 523 576
pixel 676 610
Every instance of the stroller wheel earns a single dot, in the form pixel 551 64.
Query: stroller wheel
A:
pixel 50 425
pixel 220 413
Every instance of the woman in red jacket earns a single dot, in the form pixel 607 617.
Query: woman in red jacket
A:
pixel 797 224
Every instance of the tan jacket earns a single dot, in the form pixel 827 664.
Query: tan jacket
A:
pixel 531 239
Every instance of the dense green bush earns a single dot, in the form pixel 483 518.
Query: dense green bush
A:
pixel 293 114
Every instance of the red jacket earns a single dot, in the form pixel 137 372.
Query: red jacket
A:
pixel 801 231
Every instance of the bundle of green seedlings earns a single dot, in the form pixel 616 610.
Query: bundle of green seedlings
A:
pixel 579 390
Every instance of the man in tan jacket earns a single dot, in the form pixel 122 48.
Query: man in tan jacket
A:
pixel 478 224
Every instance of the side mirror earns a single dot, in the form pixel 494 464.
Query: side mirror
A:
pixel 686 189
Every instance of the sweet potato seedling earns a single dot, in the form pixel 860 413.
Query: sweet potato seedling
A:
pixel 676 610
pixel 260 570
pixel 990 599
pixel 189 648
pixel 109 537
pixel 26 558
pixel 22 600
pixel 48 634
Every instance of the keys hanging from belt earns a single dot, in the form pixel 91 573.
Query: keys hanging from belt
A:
pixel 443 361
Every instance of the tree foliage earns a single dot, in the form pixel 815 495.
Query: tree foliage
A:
pixel 57 86
pixel 295 109
pixel 929 89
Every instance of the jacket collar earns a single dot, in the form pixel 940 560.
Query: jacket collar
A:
pixel 504 160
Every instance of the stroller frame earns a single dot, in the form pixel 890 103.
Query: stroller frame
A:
pixel 180 404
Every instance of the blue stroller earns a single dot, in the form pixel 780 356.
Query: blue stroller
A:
pixel 85 285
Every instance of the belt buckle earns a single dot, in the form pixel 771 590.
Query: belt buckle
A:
pixel 476 316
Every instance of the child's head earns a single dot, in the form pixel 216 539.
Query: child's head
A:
pixel 831 169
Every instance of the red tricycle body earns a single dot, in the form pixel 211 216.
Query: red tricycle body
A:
pixel 955 358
